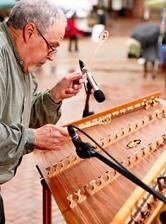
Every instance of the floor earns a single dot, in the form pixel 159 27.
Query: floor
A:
pixel 121 80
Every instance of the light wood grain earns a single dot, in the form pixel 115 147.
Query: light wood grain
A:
pixel 88 191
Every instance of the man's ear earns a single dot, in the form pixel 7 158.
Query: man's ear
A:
pixel 29 31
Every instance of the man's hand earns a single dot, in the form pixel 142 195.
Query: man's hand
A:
pixel 68 87
pixel 50 137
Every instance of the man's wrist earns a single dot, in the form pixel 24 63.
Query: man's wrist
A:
pixel 57 101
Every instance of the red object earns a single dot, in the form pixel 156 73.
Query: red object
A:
pixel 71 29
pixel 163 66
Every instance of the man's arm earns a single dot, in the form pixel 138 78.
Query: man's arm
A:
pixel 46 106
pixel 13 137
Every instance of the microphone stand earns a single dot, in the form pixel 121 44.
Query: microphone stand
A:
pixel 88 151
pixel 88 90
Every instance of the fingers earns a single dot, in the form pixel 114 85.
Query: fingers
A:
pixel 58 141
pixel 60 135
pixel 63 131
pixel 77 81
pixel 71 92
pixel 73 89
pixel 77 86
pixel 74 76
pixel 69 86
pixel 77 78
pixel 50 137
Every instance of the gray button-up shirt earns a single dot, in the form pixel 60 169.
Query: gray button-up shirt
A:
pixel 21 107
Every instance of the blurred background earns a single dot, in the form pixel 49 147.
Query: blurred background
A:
pixel 127 61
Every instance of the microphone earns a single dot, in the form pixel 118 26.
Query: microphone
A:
pixel 98 94
pixel 83 149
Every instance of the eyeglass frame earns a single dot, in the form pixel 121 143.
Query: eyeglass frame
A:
pixel 53 49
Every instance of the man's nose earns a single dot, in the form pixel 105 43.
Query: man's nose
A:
pixel 51 57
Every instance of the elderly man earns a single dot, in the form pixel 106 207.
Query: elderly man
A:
pixel 29 38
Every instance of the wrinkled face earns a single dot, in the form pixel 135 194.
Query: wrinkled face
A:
pixel 41 47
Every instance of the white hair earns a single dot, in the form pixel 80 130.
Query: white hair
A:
pixel 44 13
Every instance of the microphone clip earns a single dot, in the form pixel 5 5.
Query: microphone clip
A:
pixel 88 89
pixel 85 150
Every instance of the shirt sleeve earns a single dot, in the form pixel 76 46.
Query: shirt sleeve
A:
pixel 14 141
pixel 44 109
pixel 13 138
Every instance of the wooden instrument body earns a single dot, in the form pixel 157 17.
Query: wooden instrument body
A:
pixel 89 191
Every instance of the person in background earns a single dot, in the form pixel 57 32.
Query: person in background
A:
pixel 101 16
pixel 117 6
pixel 72 32
pixel 30 37
pixel 92 18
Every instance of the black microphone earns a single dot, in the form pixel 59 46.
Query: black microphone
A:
pixel 98 94
pixel 83 149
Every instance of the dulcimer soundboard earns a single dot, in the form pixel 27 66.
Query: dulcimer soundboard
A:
pixel 88 191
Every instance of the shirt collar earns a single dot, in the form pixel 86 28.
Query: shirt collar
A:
pixel 13 45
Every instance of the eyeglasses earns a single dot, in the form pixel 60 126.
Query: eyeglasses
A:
pixel 52 50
